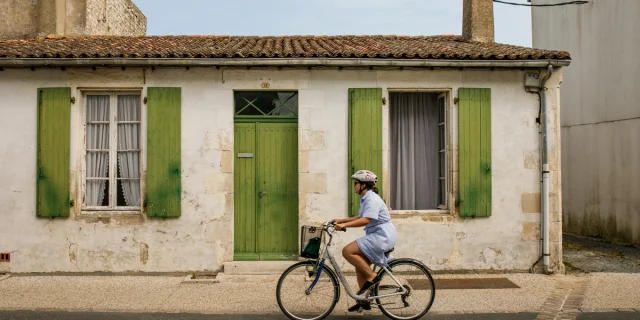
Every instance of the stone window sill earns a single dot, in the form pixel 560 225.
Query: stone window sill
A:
pixel 420 212
pixel 426 215
pixel 110 212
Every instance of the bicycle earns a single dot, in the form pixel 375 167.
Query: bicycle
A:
pixel 316 273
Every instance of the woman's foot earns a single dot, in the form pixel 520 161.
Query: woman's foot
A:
pixel 368 284
pixel 359 304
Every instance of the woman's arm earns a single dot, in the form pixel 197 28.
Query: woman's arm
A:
pixel 345 220
pixel 357 222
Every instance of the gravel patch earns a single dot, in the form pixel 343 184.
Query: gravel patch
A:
pixel 582 254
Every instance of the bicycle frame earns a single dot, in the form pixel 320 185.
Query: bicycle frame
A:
pixel 345 284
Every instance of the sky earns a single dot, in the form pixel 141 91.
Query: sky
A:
pixel 326 17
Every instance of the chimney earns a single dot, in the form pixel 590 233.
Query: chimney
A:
pixel 20 19
pixel 477 20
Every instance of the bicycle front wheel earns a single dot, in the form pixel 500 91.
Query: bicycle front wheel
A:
pixel 414 276
pixel 299 298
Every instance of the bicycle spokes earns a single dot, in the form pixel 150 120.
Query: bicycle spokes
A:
pixel 412 297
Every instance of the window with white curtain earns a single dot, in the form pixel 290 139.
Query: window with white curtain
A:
pixel 112 151
pixel 418 155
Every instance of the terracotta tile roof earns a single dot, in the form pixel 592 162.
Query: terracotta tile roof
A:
pixel 380 47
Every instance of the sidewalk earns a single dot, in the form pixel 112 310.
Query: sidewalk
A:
pixel 549 296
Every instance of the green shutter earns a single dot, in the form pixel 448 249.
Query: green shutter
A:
pixel 163 152
pixel 365 138
pixel 474 121
pixel 53 152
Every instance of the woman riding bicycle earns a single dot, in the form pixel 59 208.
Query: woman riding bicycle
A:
pixel 380 234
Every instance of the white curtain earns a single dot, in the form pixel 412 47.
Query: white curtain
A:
pixel 414 150
pixel 97 139
pixel 129 148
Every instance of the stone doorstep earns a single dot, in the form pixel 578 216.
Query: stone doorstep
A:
pixel 225 278
pixel 275 268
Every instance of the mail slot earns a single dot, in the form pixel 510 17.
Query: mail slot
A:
pixel 245 155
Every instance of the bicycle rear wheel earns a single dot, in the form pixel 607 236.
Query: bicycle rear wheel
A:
pixel 415 277
pixel 294 299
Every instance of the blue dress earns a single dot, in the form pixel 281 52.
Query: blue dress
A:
pixel 380 234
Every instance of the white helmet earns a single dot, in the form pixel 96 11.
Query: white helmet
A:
pixel 365 176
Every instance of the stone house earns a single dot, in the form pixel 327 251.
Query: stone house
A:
pixel 207 153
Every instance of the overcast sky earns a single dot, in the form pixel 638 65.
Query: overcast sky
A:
pixel 326 17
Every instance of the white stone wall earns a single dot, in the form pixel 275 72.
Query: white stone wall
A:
pixel 202 238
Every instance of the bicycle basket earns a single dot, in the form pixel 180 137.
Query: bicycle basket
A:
pixel 310 241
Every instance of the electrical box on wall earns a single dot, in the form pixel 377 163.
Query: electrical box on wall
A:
pixel 532 81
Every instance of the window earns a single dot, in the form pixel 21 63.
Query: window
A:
pixel 418 155
pixel 266 103
pixel 112 151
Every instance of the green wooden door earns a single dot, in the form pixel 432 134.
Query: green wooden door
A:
pixel 266 191
pixel 245 210
pixel 277 190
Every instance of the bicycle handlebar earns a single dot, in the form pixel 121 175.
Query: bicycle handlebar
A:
pixel 331 224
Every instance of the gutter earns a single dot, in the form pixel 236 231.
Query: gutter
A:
pixel 275 62
pixel 545 172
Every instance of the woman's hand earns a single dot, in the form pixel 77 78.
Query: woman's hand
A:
pixel 339 227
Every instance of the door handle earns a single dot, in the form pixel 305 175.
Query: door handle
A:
pixel 262 193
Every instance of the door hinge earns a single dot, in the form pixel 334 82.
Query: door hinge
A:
pixel 384 101
pixel 73 99
pixel 455 100
pixel 145 100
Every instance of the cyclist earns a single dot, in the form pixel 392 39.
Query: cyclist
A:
pixel 380 234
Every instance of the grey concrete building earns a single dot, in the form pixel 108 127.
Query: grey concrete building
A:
pixel 600 114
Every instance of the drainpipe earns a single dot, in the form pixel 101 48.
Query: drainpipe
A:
pixel 545 172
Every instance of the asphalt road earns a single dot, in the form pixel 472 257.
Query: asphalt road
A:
pixel 59 315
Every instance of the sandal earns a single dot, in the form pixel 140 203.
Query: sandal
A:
pixel 368 284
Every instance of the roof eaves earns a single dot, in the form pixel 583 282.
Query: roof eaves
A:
pixel 282 62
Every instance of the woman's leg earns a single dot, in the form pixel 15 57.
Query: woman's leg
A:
pixel 352 253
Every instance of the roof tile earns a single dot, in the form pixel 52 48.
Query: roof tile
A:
pixel 379 47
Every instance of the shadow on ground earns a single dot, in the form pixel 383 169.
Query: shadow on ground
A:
pixel 584 255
